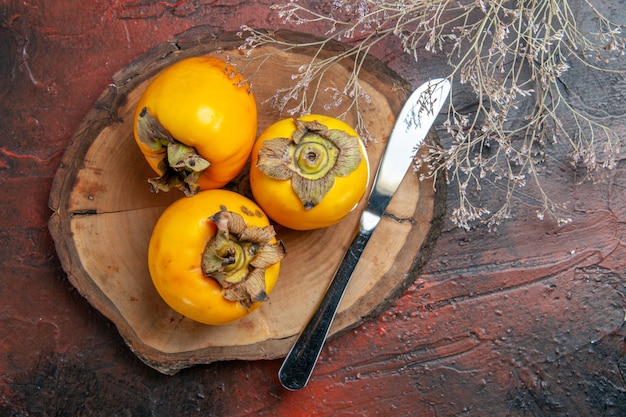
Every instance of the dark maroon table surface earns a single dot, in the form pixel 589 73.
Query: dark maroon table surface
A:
pixel 523 321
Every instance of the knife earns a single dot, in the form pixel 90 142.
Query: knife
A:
pixel 411 127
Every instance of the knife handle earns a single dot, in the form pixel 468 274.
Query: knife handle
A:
pixel 300 361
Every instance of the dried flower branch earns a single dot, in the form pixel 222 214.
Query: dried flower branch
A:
pixel 512 54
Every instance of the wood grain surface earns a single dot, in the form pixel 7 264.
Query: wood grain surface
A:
pixel 104 213
pixel 524 321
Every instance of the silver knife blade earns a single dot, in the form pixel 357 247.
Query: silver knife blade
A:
pixel 411 127
pixel 409 131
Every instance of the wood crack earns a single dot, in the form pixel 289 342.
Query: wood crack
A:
pixel 87 212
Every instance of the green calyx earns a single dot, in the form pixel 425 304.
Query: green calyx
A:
pixel 311 159
pixel 314 156
pixel 180 165
pixel 238 256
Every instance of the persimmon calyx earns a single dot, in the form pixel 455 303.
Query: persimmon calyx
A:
pixel 238 255
pixel 180 165
pixel 311 159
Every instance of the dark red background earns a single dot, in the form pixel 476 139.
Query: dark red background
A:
pixel 525 321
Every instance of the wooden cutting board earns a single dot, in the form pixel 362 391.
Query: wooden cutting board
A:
pixel 104 213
